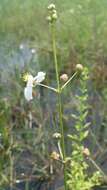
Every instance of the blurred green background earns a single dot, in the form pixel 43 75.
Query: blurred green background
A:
pixel 27 128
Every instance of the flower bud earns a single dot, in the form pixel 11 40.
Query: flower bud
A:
pixel 86 152
pixel 54 11
pixel 64 77
pixel 55 155
pixel 79 67
pixel 57 135
pixel 49 19
pixel 51 6
pixel 54 16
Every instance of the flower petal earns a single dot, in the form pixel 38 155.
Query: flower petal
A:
pixel 40 77
pixel 30 81
pixel 28 93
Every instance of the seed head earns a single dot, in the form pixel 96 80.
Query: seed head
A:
pixel 79 68
pixel 52 13
pixel 86 152
pixel 57 135
pixel 55 155
pixel 64 77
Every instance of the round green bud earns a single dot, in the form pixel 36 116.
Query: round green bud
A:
pixel 54 16
pixel 79 68
pixel 51 7
pixel 49 19
pixel 54 11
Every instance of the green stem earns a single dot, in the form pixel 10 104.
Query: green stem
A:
pixel 69 80
pixel 27 185
pixel 96 166
pixel 60 150
pixel 59 103
pixel 49 87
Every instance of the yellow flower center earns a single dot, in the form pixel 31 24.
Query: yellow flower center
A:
pixel 25 77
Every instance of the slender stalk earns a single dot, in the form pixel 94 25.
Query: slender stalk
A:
pixel 27 185
pixel 60 151
pixel 49 87
pixel 97 167
pixel 69 80
pixel 59 102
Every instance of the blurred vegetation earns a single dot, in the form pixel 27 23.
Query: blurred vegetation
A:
pixel 81 32
pixel 81 38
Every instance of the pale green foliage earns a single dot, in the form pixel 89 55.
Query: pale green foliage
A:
pixel 78 178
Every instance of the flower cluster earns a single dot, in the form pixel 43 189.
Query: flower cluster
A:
pixel 31 81
pixel 52 13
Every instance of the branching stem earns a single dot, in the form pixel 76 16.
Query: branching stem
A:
pixel 59 102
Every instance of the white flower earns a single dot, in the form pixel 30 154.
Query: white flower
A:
pixel 30 81
pixel 40 77
pixel 28 93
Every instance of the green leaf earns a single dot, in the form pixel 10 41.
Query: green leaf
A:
pixel 73 137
